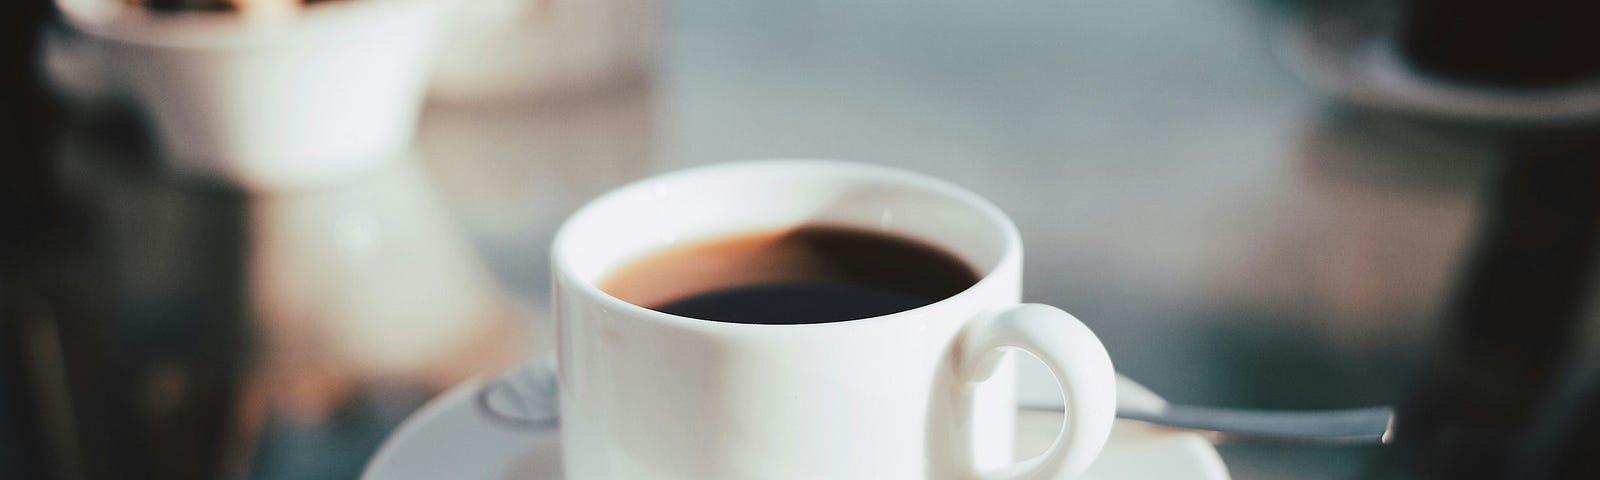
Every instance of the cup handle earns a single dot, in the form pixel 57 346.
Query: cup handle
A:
pixel 1080 365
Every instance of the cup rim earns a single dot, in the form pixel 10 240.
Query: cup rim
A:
pixel 222 30
pixel 1011 254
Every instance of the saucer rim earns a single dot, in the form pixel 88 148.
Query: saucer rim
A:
pixel 466 395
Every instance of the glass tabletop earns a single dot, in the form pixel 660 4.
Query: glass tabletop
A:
pixel 1234 236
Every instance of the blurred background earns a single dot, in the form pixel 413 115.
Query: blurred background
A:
pixel 246 239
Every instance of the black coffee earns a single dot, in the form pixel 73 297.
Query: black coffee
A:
pixel 812 274
pixel 1512 43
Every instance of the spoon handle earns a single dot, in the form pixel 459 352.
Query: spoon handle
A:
pixel 1349 426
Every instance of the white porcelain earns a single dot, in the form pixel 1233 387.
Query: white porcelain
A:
pixel 925 393
pixel 326 92
pixel 459 436
pixel 372 281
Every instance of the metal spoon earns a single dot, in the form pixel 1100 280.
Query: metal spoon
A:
pixel 1370 425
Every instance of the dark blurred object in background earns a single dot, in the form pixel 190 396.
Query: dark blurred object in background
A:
pixel 152 328
pixel 1522 43
pixel 1487 62
pixel 178 331
pixel 1510 391
pixel 113 367
pixel 26 118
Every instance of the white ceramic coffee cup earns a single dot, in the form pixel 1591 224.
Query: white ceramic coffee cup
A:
pixel 923 393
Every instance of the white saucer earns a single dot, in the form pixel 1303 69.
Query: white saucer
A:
pixel 456 436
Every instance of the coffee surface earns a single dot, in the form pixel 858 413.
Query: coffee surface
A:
pixel 810 274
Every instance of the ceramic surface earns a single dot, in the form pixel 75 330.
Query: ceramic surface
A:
pixel 268 104
pixel 457 436
pixel 923 393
